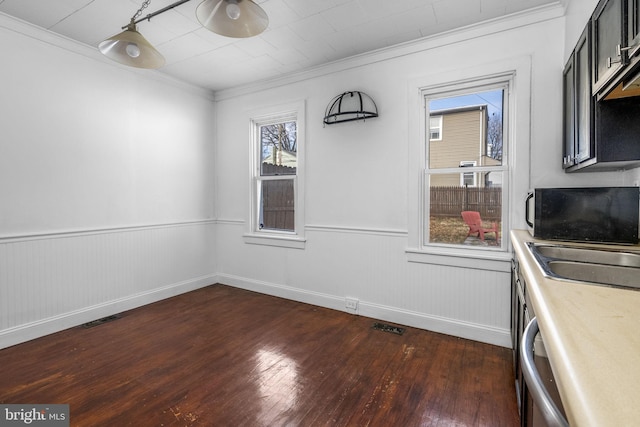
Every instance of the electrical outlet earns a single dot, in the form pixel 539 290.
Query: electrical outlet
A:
pixel 351 304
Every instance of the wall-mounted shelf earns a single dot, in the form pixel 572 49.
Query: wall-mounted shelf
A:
pixel 350 106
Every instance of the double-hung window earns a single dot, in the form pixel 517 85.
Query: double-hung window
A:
pixel 465 169
pixel 276 198
pixel 486 114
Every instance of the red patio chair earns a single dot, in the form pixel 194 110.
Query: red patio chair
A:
pixel 473 220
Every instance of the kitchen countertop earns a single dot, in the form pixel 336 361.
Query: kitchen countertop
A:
pixel 592 336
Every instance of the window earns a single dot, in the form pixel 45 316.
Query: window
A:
pixel 276 179
pixel 467 178
pixel 435 128
pixel 466 171
pixel 510 175
pixel 278 145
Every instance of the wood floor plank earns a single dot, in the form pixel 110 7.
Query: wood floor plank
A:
pixel 221 356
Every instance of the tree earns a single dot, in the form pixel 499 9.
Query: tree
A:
pixel 277 138
pixel 494 136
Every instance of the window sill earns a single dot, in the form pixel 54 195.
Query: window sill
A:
pixel 293 242
pixel 478 260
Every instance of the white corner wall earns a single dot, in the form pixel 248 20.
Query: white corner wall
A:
pixel 357 202
pixel 106 185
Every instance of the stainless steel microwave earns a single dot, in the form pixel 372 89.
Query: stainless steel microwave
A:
pixel 585 214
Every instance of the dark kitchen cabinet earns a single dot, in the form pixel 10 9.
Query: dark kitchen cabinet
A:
pixel 614 142
pixel 579 144
pixel 633 27
pixel 600 130
pixel 518 322
pixel 608 39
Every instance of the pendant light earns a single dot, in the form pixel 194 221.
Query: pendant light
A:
pixel 131 48
pixel 231 18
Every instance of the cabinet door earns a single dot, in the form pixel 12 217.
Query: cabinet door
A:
pixel 569 118
pixel 578 139
pixel 633 27
pixel 608 34
pixel 584 141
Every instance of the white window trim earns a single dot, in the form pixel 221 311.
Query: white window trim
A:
pixel 253 234
pixel 503 81
pixel 518 69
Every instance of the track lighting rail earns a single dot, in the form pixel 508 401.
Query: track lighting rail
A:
pixel 229 18
pixel 157 12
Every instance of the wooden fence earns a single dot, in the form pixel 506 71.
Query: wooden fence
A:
pixel 450 201
pixel 278 209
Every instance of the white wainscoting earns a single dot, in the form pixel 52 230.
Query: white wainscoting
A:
pixel 372 266
pixel 55 281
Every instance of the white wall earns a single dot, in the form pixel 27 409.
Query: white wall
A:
pixel 106 185
pixel 357 180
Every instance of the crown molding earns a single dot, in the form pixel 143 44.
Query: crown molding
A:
pixel 485 28
pixel 55 40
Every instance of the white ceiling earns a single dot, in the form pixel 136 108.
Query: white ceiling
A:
pixel 302 33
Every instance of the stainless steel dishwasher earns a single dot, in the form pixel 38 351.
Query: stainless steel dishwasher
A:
pixel 541 399
pixel 538 397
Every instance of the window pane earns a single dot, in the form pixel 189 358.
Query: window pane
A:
pixel 448 200
pixel 470 131
pixel 279 149
pixel 276 202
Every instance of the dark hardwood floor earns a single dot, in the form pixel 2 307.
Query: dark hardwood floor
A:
pixel 221 356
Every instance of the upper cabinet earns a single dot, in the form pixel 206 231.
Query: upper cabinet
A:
pixel 602 91
pixel 578 105
pixel 633 27
pixel 609 38
pixel 615 28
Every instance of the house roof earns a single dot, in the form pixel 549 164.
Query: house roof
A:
pixel 458 109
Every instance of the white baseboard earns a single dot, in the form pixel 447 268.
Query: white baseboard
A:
pixel 443 325
pixel 482 333
pixel 476 332
pixel 29 331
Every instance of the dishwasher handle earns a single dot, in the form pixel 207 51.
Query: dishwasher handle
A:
pixel 539 393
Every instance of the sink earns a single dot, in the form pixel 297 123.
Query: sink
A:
pixel 589 265
pixel 597 256
pixel 613 275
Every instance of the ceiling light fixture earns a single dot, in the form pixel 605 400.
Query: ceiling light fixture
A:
pixel 238 18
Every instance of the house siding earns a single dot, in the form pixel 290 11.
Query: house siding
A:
pixel 463 140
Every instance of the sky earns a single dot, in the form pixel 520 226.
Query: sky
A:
pixel 493 100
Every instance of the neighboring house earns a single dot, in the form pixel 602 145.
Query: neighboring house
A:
pixel 458 139
pixel 283 158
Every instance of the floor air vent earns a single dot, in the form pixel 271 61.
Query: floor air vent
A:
pixel 388 328
pixel 99 322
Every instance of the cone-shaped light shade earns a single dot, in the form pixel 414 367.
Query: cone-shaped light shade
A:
pixel 130 48
pixel 232 18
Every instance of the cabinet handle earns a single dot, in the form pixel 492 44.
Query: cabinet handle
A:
pixel 610 61
pixel 541 397
pixel 619 50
